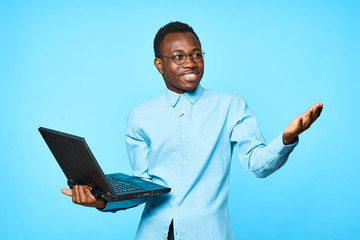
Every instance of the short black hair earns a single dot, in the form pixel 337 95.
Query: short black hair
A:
pixel 172 27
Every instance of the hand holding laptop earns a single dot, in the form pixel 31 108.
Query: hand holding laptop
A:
pixel 90 186
pixel 81 194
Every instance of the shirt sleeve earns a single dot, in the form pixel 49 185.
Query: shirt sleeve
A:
pixel 257 157
pixel 138 149
pixel 122 205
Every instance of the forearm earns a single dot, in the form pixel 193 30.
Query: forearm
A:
pixel 263 160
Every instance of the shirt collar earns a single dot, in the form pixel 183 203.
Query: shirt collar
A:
pixel 173 97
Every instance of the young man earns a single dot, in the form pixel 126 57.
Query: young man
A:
pixel 184 139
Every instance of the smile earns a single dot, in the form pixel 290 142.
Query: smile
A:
pixel 190 76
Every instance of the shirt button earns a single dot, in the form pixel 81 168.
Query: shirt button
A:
pixel 184 161
pixel 181 185
pixel 183 137
pixel 183 96
pixel 175 208
pixel 165 233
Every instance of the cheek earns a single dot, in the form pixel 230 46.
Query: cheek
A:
pixel 201 67
pixel 172 71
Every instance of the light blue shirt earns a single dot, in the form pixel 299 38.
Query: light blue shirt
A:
pixel 185 142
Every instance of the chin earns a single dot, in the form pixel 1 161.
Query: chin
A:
pixel 191 88
pixel 182 87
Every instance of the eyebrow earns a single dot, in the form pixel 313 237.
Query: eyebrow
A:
pixel 178 50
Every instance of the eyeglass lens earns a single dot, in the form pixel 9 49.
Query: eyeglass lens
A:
pixel 179 57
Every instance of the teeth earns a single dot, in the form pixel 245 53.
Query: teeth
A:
pixel 190 76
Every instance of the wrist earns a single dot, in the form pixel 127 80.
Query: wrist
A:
pixel 288 141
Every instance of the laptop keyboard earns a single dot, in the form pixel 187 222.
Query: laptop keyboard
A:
pixel 119 186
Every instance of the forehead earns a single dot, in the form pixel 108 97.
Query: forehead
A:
pixel 186 42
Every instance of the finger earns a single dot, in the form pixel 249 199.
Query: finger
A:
pixel 319 109
pixel 89 195
pixel 297 126
pixel 306 119
pixel 76 196
pixel 300 124
pixel 312 115
pixel 67 192
pixel 82 195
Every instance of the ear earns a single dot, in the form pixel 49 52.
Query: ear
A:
pixel 159 66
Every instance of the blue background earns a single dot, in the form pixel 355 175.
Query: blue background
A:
pixel 81 66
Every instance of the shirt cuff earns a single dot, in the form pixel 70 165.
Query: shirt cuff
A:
pixel 284 149
pixel 122 205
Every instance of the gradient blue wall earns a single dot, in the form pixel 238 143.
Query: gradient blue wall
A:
pixel 80 66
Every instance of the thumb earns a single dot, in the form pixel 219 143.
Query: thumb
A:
pixel 301 119
pixel 67 192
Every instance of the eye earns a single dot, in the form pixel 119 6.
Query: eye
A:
pixel 179 57
pixel 197 55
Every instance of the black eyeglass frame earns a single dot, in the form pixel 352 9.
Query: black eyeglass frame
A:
pixel 186 55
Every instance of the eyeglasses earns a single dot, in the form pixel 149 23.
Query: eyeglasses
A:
pixel 180 56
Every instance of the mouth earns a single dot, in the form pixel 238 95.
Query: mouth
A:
pixel 190 76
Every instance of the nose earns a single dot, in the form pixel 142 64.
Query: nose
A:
pixel 189 62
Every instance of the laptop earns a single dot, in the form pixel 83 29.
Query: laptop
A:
pixel 81 168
